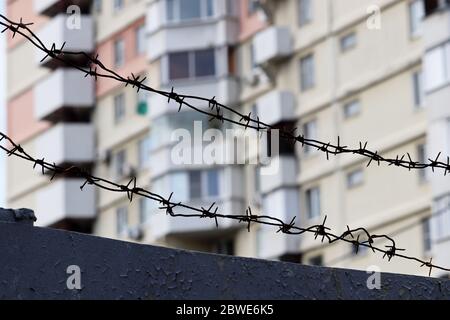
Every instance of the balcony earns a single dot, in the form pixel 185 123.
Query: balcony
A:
pixel 220 28
pixel 53 7
pixel 272 44
pixel 276 107
pixel 63 200
pixel 163 225
pixel 57 32
pixel 67 144
pixel 283 204
pixel 280 173
pixel 64 93
pixel 225 89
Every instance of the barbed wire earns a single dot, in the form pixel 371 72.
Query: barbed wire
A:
pixel 400 230
pixel 168 205
pixel 215 110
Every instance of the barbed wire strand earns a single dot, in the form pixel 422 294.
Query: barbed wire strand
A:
pixel 169 205
pixel 245 121
pixel 398 231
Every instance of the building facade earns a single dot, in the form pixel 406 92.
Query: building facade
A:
pixel 362 70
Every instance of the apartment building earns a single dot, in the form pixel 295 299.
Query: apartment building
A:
pixel 358 69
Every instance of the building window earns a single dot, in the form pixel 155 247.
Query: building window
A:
pixel 316 261
pixel 144 151
pixel 97 6
pixel 416 15
pixel 307 72
pixel 203 184
pixel 313 203
pixel 348 42
pixel 426 231
pixel 140 40
pixel 252 7
pixel 310 132
pixel 352 109
pixel 418 89
pixel 253 63
pixel 422 158
pixel 143 210
pixel 437 67
pixel 225 247
pixel 119 164
pixel 304 12
pixel 355 178
pixel 121 221
pixel 441 218
pixel 119 53
pixel 118 5
pixel 185 10
pixel 119 108
pixel 191 65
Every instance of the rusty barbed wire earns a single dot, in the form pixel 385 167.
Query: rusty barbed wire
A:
pixel 245 121
pixel 167 204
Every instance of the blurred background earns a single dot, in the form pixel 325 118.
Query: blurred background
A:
pixel 363 70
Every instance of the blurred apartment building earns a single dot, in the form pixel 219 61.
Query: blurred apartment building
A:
pixel 363 70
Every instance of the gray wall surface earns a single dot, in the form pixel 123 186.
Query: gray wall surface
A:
pixel 34 262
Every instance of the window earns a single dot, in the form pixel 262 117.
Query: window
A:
pixel 257 180
pixel 119 53
pixel 203 184
pixel 119 163
pixel 437 67
pixel 191 65
pixel 121 220
pixel 224 247
pixel 97 6
pixel 316 261
pixel 119 108
pixel 355 178
pixel 252 7
pixel 185 10
pixel 195 185
pixel 348 42
pixel 253 63
pixel 416 15
pixel 140 40
pixel 204 63
pixel 422 158
pixel 313 203
pixel 304 12
pixel 418 89
pixel 143 210
pixel 144 151
pixel 118 5
pixel 310 132
pixel 352 109
pixel 441 218
pixel 307 72
pixel 426 231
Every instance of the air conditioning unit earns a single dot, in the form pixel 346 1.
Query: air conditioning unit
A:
pixel 136 233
